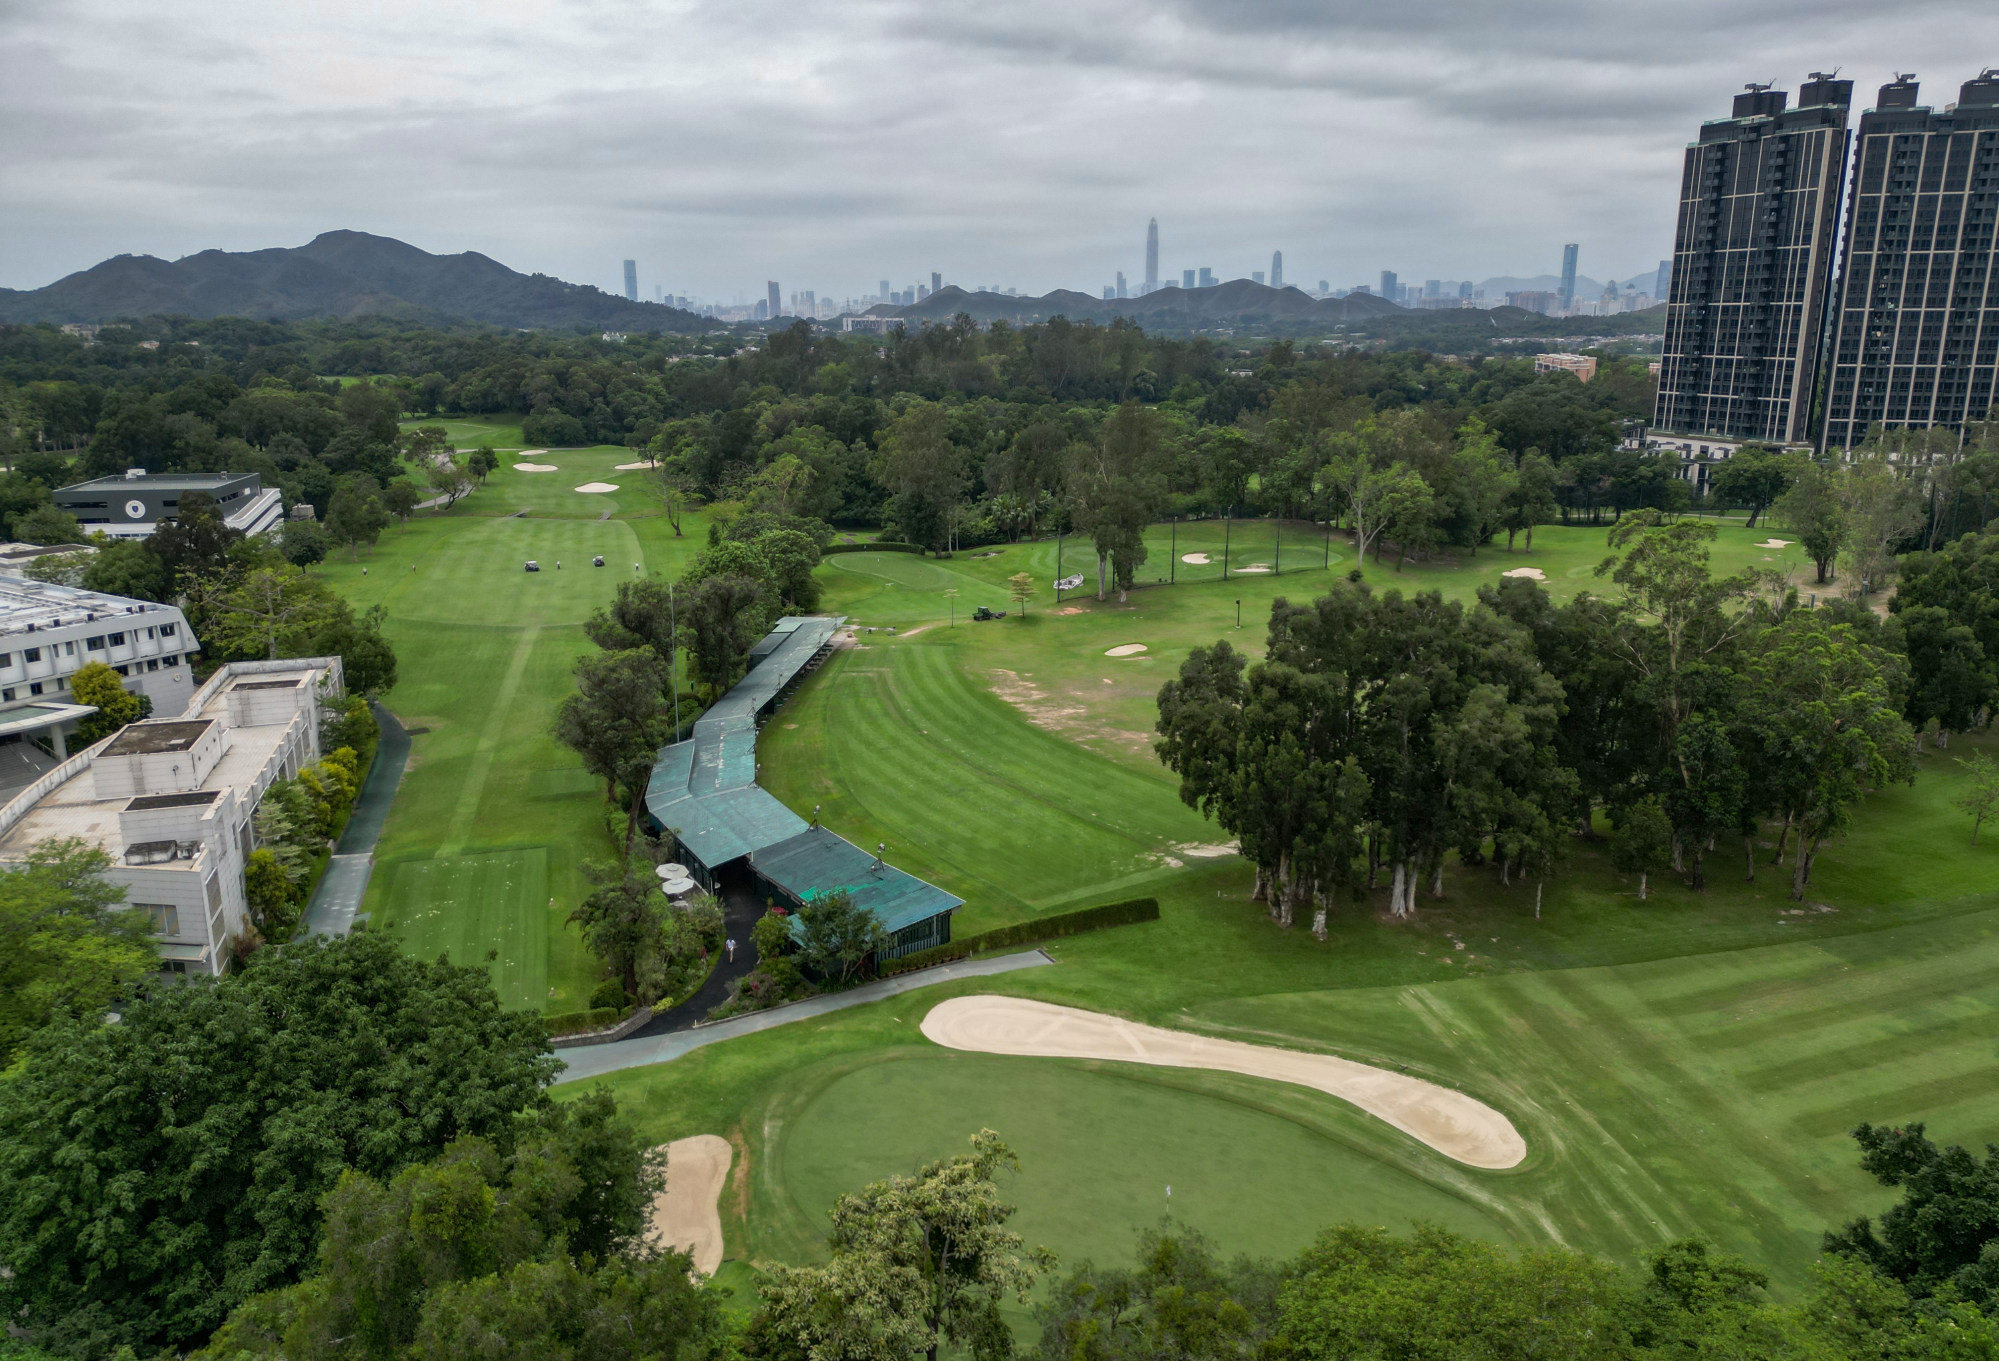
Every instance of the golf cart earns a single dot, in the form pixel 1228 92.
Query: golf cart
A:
pixel 983 613
pixel 533 566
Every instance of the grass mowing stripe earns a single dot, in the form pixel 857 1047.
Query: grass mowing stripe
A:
pixel 496 726
pixel 1843 1053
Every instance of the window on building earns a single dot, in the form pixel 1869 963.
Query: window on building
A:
pixel 117 640
pixel 31 654
pixel 34 687
pixel 123 671
pixel 6 659
pixel 167 630
pixel 152 664
pixel 94 643
pixel 165 917
pixel 170 661
pixel 7 694
pixel 69 649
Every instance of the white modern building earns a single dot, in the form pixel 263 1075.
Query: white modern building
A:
pixel 170 800
pixel 133 506
pixel 48 631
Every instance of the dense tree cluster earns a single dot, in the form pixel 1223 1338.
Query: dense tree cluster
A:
pixel 158 1172
pixel 1384 734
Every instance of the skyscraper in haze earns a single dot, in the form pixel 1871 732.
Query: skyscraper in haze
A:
pixel 1277 269
pixel 1207 277
pixel 776 303
pixel 1186 278
pixel 1152 255
pixel 885 290
pixel 1388 285
pixel 1120 284
pixel 1752 266
pixel 1915 333
pixel 1662 286
pixel 631 280
pixel 1567 292
pixel 936 281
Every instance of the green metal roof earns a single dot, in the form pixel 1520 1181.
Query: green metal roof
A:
pixel 704 789
pixel 816 863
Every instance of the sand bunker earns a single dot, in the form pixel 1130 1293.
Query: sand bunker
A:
pixel 595 487
pixel 686 1215
pixel 531 453
pixel 1775 543
pixel 536 468
pixel 1125 650
pixel 631 467
pixel 1253 569
pixel 1531 573
pixel 1454 1124
pixel 1198 559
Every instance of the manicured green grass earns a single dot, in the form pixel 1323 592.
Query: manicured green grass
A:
pixel 485 652
pixel 1686 1065
pixel 1689 1064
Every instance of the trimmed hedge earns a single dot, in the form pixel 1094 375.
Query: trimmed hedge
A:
pixel 577 1022
pixel 886 546
pixel 1037 928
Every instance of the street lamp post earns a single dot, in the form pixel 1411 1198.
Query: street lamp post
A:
pixel 1238 614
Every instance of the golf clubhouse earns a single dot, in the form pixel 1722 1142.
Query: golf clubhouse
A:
pixel 704 795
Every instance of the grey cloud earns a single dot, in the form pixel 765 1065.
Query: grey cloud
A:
pixel 828 145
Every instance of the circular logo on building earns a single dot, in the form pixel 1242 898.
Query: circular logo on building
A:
pixel 135 510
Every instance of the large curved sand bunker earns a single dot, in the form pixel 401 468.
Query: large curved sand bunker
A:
pixel 686 1215
pixel 1454 1124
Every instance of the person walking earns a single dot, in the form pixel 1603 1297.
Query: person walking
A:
pixel 730 944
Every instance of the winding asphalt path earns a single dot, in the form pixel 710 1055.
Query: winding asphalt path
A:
pixel 336 902
pixel 587 1061
pixel 740 910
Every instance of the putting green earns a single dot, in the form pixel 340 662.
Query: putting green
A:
pixel 1099 1146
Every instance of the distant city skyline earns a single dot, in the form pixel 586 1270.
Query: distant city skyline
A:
pixel 1466 148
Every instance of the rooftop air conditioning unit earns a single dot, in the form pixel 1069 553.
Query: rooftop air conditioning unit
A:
pixel 131 473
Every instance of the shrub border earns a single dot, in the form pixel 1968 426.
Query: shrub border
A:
pixel 885 546
pixel 1075 923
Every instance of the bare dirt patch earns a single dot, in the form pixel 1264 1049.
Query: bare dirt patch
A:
pixel 1775 543
pixel 687 1214
pixel 1456 1125
pixel 1530 573
pixel 631 467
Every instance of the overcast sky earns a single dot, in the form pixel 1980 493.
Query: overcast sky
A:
pixel 830 145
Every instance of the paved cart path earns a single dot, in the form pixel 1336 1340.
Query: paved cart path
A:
pixel 597 1060
pixel 336 902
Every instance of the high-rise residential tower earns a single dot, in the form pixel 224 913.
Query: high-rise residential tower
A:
pixel 776 303
pixel 631 280
pixel 1567 292
pixel 1121 288
pixel 936 282
pixel 1752 266
pixel 885 290
pixel 1277 269
pixel 1915 334
pixel 1186 278
pixel 1389 288
pixel 1152 255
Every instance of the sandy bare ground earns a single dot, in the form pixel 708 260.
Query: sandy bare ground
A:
pixel 686 1215
pixel 594 488
pixel 536 468
pixel 1125 650
pixel 1064 714
pixel 1775 543
pixel 631 467
pixel 1531 573
pixel 1456 1125
pixel 1198 559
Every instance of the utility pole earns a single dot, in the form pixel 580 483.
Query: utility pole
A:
pixel 1173 553
pixel 1227 520
pixel 1278 569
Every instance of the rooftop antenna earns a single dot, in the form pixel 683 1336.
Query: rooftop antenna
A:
pixel 1753 88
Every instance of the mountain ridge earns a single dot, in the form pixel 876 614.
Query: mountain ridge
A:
pixel 337 274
